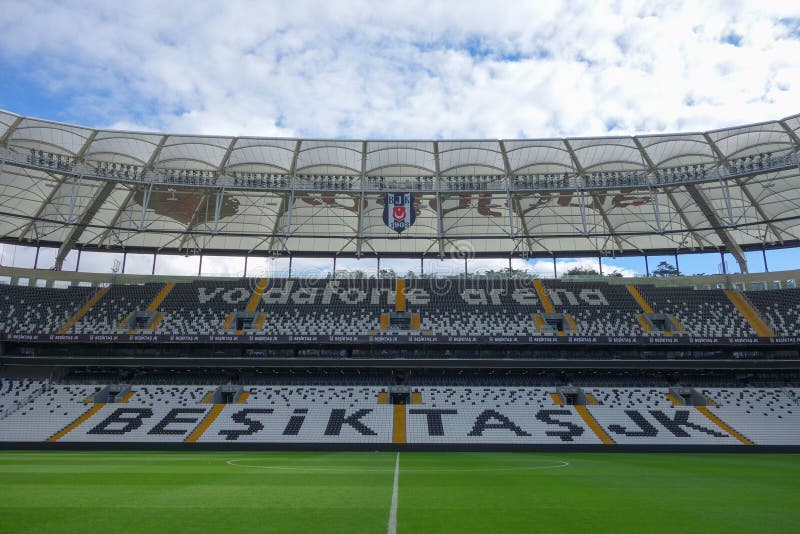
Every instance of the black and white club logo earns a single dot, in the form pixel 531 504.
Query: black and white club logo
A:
pixel 398 211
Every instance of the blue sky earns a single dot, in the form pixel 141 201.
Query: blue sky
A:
pixel 414 69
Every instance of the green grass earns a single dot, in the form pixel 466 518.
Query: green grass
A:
pixel 439 492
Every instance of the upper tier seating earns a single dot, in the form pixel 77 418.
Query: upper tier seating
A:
pixel 290 307
pixel 202 307
pixel 354 307
pixel 780 308
pixel 337 307
pixel 35 310
pixel 701 312
pixel 110 311
pixel 458 307
pixel 598 309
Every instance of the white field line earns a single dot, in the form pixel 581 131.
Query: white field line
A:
pixel 393 508
pixel 332 469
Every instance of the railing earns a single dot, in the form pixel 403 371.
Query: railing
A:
pixel 229 179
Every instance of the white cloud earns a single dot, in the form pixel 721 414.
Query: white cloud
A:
pixel 411 69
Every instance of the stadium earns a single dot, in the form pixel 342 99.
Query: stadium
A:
pixel 491 362
pixel 336 332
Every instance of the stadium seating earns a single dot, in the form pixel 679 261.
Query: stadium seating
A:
pixel 354 307
pixel 109 313
pixel 598 309
pixel 700 312
pixel 457 307
pixel 32 310
pixel 780 309
pixel 479 415
pixel 15 393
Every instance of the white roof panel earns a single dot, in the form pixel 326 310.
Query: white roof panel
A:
pixel 471 207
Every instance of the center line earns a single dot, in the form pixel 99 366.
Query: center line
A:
pixel 393 509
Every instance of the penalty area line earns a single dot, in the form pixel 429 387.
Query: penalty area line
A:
pixel 393 509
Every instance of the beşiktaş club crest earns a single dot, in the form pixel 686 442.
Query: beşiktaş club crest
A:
pixel 398 211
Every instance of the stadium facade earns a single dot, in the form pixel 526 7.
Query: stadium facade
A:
pixel 506 361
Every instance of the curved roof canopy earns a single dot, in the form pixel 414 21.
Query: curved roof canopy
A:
pixel 69 186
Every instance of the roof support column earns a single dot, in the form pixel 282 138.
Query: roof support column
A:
pixel 145 204
pixel 80 225
pixel 715 222
pixel 582 201
pixel 656 210
pixel 362 179
pixel 218 207
pixel 439 236
pixel 438 185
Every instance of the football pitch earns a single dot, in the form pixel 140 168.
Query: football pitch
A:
pixel 410 492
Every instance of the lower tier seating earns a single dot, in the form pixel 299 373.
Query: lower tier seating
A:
pixel 436 415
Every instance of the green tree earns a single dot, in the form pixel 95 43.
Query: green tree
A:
pixel 582 270
pixel 666 269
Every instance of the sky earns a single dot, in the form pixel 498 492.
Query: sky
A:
pixel 409 70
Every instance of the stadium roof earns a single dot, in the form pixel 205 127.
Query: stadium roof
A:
pixel 69 186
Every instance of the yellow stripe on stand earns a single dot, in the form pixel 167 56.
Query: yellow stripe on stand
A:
pixel 678 325
pixel 205 423
pixel 227 322
pixel 674 400
pixel 243 396
pixel 384 322
pixel 723 425
pixel 572 322
pixel 399 427
pixel 259 321
pixel 256 296
pixel 90 398
pixel 416 397
pixel 541 326
pixel 82 311
pixel 542 292
pixel 160 297
pixel 124 321
pixel 710 401
pixel 639 298
pixel 644 323
pixel 76 423
pixel 592 423
pixel 127 397
pixel 154 304
pixel 592 400
pixel 415 322
pixel 756 322
pixel 557 400
pixel 156 321
pixel 383 397
pixel 400 295
pixel 207 398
